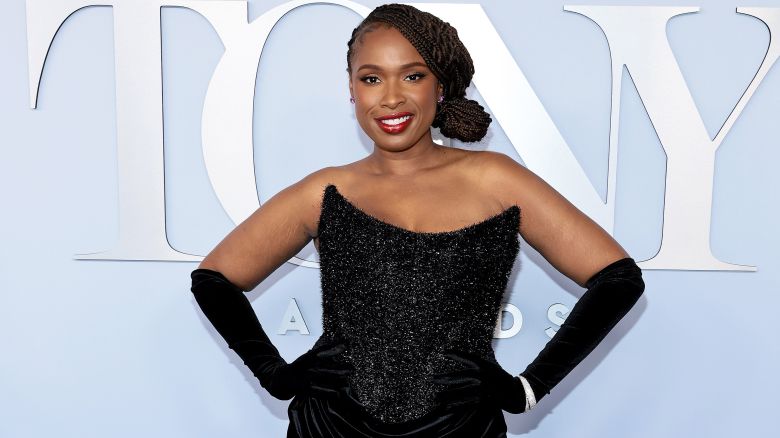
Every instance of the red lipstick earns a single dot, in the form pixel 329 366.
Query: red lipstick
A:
pixel 405 120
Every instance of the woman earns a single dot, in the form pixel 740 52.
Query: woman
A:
pixel 416 245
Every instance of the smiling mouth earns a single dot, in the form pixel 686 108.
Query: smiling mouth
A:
pixel 394 123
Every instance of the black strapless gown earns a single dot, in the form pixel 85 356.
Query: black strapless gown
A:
pixel 398 298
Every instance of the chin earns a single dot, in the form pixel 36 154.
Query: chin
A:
pixel 397 143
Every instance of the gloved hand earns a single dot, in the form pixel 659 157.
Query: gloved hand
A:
pixel 316 372
pixel 610 294
pixel 480 381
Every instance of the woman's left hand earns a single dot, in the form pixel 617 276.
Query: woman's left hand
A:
pixel 480 381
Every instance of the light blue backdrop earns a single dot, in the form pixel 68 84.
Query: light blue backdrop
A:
pixel 119 348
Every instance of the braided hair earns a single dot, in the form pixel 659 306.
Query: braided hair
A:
pixel 449 60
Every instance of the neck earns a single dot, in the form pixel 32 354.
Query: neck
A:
pixel 423 155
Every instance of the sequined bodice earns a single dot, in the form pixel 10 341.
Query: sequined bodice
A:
pixel 398 298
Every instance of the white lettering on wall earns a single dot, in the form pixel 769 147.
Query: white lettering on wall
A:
pixel 636 36
pixel 637 39
pixel 517 321
pixel 556 314
pixel 293 320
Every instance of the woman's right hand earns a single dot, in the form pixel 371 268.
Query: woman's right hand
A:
pixel 315 373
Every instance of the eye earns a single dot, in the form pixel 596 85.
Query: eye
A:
pixel 417 75
pixel 367 79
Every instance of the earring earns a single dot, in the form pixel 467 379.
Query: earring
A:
pixel 352 99
pixel 441 98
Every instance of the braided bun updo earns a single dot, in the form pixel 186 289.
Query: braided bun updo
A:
pixel 438 44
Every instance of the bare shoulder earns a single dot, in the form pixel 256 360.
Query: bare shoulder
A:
pixel 496 163
pixel 501 175
pixel 514 184
pixel 570 240
pixel 310 191
pixel 273 233
pixel 313 184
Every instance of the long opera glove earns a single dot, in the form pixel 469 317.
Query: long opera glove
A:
pixel 316 372
pixel 610 294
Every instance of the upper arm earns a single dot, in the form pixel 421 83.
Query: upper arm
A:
pixel 566 237
pixel 271 235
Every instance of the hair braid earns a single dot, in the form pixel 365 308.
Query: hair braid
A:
pixel 442 50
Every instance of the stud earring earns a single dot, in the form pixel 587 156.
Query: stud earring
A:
pixel 441 99
pixel 352 99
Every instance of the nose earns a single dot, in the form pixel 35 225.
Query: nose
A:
pixel 393 95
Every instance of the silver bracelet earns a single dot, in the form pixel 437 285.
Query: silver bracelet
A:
pixel 530 398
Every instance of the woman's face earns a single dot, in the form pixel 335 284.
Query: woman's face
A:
pixel 390 81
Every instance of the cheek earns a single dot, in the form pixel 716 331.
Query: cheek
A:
pixel 365 99
pixel 426 100
pixel 363 108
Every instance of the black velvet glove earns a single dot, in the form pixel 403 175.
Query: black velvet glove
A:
pixel 481 381
pixel 610 294
pixel 316 372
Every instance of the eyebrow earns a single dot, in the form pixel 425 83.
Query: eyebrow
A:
pixel 405 66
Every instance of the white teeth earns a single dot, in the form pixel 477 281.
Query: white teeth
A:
pixel 395 121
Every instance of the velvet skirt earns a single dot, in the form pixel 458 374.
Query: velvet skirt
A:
pixel 345 417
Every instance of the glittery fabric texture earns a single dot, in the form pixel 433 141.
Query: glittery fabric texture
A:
pixel 398 298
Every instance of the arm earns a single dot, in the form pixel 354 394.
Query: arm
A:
pixel 270 236
pixel 581 250
pixel 251 252
pixel 572 242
